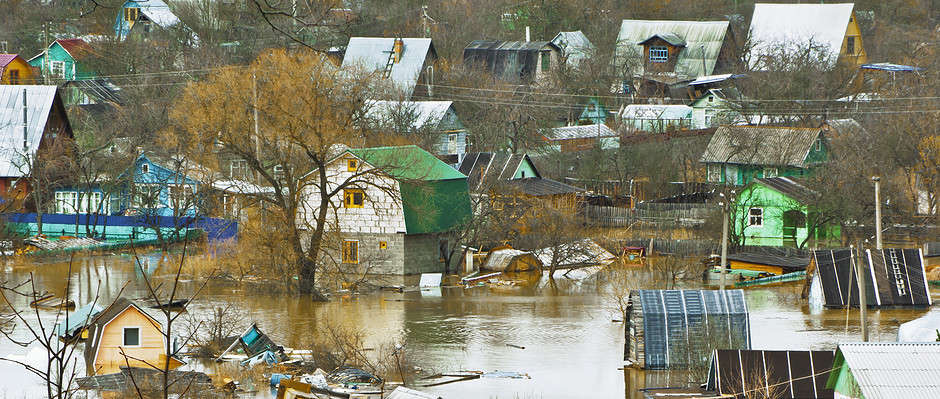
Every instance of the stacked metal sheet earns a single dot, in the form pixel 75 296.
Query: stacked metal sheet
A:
pixel 893 277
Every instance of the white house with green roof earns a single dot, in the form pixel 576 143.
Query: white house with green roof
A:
pixel 396 220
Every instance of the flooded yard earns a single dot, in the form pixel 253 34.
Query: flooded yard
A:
pixel 572 346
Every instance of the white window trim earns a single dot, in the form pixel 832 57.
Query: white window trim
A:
pixel 140 338
pixel 750 216
pixel 771 172
pixel 713 170
pixel 61 67
pixel 145 168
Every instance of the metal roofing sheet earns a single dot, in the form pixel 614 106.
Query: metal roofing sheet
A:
pixel 703 41
pixel 158 12
pixel 790 27
pixel 574 45
pixel 371 54
pixel 538 186
pixel 885 66
pixel 761 145
pixel 655 111
pixel 6 59
pixel 582 132
pixel 39 100
pixel 790 187
pixel 886 370
pixel 425 112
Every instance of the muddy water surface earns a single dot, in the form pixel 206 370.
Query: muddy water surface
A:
pixel 572 347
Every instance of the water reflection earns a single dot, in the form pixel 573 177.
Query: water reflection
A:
pixel 572 347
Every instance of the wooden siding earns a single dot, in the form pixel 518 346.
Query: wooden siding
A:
pixel 151 350
pixel 738 265
pixel 22 68
pixel 860 56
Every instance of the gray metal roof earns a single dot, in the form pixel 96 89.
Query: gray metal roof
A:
pixel 371 54
pixel 574 45
pixel 697 35
pixel 511 61
pixel 761 145
pixel 158 12
pixel 425 112
pixel 487 169
pixel 39 102
pixel 667 37
pixel 789 187
pixel 790 27
pixel 656 111
pixel 581 132
pixel 888 370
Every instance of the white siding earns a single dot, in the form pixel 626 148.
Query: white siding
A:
pixel 381 213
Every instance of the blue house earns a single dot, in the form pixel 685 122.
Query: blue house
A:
pixel 150 189
pixel 143 17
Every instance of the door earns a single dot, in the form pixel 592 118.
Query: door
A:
pixel 792 220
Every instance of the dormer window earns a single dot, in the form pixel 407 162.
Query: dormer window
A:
pixel 145 168
pixel 659 54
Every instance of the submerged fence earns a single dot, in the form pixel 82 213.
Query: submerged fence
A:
pixel 115 227
pixel 685 247
pixel 649 213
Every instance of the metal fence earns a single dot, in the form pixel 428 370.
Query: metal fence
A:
pixel 658 214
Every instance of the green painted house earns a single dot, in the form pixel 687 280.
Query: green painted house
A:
pixel 739 154
pixel 63 60
pixel 876 370
pixel 778 212
pixel 715 108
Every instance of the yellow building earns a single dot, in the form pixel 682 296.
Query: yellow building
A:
pixel 14 70
pixel 125 335
pixel 831 30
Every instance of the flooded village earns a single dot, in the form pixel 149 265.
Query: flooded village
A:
pixel 462 199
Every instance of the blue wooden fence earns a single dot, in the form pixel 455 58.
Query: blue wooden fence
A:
pixel 121 227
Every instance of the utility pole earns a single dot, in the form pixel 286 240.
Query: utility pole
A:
pixel 254 96
pixel 862 288
pixel 724 243
pixel 877 181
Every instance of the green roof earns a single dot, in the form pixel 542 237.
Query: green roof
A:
pixel 434 195
pixel 407 162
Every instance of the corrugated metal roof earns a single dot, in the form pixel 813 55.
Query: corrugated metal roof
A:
pixel 697 35
pixel 581 132
pixel 425 112
pixel 701 80
pixel 371 54
pixel 100 89
pixel 574 45
pixel 486 169
pixel 158 12
pixel 76 48
pixel 512 61
pixel 790 27
pixel 797 374
pixel 6 59
pixel 789 187
pixel 889 370
pixel 39 100
pixel 656 112
pixel 885 66
pixel 790 263
pixel 761 145
pixel 668 37
pixel 538 186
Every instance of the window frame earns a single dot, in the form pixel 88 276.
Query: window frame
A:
pixel 152 198
pixel 352 165
pixel 238 169
pixel 658 54
pixel 713 169
pixel 347 249
pixel 850 45
pixel 124 337
pixel 349 199
pixel 188 193
pixel 771 172
pixel 60 65
pixel 751 217
pixel 545 59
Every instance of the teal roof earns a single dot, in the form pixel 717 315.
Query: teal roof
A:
pixel 77 320
pixel 408 163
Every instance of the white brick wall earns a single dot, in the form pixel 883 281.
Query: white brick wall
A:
pixel 381 213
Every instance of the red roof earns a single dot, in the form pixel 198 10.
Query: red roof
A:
pixel 75 47
pixel 6 59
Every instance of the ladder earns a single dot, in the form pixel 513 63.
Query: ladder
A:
pixel 388 64
pixel 898 277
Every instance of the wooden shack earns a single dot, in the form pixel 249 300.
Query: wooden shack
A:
pixel 124 335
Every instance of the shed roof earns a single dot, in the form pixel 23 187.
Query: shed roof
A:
pixel 761 145
pixel 893 277
pixel 668 37
pixel 502 259
pixel 40 101
pixel 786 262
pixel 407 162
pixel 574 45
pixel 581 132
pixel 77 319
pixel 101 89
pixel 683 314
pixel 541 186
pixel 584 252
pixel 703 41
pixel 512 61
pixel 789 27
pixel 371 53
pixel 798 374
pixel 96 325
pixel 921 329
pixel 886 370
pixel 6 59
pixel 790 187
pixel 425 112
pixel 157 11
pixel 76 48
pixel 484 169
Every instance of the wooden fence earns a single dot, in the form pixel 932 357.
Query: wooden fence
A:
pixel 688 247
pixel 658 214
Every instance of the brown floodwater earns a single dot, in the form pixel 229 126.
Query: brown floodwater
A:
pixel 573 349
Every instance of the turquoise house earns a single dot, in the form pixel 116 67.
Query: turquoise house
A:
pixel 778 212
pixel 739 154
pixel 143 17
pixel 65 59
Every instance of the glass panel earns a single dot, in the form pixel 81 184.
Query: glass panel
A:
pixel 131 336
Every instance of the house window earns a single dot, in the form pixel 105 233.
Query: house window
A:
pixel 770 172
pixel 383 244
pixel 3 46
pixel 65 202
pixel 818 144
pixel 238 169
pixel 659 54
pixel 353 197
pixel 130 14
pixel 452 143
pixel 350 251
pixel 352 165
pixel 181 196
pixel 850 45
pixel 145 168
pixel 131 336
pixel 755 217
pixel 14 76
pixel 57 69
pixel 546 60
pixel 90 203
pixel 714 173
pixel 279 172
pixel 146 196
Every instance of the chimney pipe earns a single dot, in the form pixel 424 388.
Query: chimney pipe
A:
pixel 25 126
pixel 527 37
